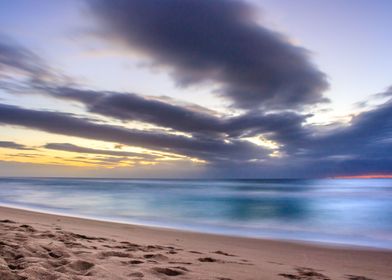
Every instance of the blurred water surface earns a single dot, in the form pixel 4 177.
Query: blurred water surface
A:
pixel 348 211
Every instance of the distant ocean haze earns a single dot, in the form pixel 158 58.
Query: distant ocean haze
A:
pixel 348 211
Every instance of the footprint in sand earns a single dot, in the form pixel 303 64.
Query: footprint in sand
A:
pixel 7 221
pixel 181 268
pixel 155 247
pixel 107 254
pixel 355 277
pixel 58 263
pixel 171 252
pixel 168 271
pixel 136 274
pixel 174 262
pixel 156 257
pixel 305 273
pixel 224 253
pixel 131 247
pixel 39 272
pixel 134 262
pixel 28 228
pixel 195 252
pixel 55 255
pixel 55 252
pixel 6 273
pixel 80 265
pixel 208 259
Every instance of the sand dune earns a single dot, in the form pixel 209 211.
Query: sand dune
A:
pixel 46 247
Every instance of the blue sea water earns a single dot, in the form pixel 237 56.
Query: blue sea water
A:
pixel 347 211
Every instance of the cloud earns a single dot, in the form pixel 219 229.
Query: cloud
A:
pixel 214 138
pixel 60 123
pixel 369 135
pixel 21 70
pixel 78 149
pixel 17 58
pixel 133 107
pixel 386 93
pixel 363 145
pixel 196 121
pixel 13 145
pixel 220 42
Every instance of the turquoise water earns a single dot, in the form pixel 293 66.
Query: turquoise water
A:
pixel 348 211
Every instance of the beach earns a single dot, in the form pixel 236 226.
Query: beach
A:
pixel 198 139
pixel 36 245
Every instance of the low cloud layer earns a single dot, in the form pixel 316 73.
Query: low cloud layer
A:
pixel 67 147
pixel 13 145
pixel 66 124
pixel 368 136
pixel 364 145
pixel 219 42
pixel 133 107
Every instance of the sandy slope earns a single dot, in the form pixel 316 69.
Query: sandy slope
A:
pixel 42 246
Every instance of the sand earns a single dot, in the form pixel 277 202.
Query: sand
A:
pixel 43 246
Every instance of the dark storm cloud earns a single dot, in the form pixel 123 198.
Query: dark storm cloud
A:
pixel 362 146
pixel 65 124
pixel 216 41
pixel 78 149
pixel 281 126
pixel 13 145
pixel 369 135
pixel 133 107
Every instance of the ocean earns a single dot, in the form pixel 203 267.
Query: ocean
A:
pixel 340 211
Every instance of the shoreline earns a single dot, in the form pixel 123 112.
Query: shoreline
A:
pixel 341 245
pixel 158 252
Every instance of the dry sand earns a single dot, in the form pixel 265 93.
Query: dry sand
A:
pixel 42 246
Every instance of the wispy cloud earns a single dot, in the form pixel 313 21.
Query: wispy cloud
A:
pixel 13 145
pixel 83 150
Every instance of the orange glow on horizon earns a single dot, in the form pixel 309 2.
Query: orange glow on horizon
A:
pixel 366 176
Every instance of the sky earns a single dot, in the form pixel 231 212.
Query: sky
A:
pixel 195 88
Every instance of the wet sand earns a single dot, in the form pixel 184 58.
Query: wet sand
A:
pixel 44 246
